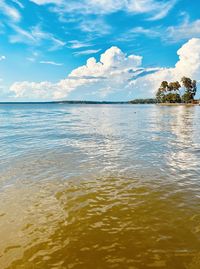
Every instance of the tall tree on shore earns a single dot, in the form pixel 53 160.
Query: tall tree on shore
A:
pixel 174 86
pixel 190 89
pixel 164 86
pixel 167 92
pixel 170 92
pixel 160 95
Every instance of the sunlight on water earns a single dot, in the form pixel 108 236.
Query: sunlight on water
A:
pixel 99 187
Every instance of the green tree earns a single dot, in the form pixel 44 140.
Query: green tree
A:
pixel 194 88
pixel 190 89
pixel 167 92
pixel 174 86
pixel 164 86
pixel 170 92
pixel 160 96
pixel 173 98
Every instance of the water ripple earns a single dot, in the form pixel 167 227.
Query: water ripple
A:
pixel 99 186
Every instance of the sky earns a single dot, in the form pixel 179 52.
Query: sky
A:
pixel 96 49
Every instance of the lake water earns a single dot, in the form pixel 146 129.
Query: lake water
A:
pixel 99 186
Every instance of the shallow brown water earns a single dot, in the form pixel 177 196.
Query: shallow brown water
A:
pixel 99 223
pixel 124 193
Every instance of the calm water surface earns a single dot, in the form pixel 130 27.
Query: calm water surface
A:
pixel 99 186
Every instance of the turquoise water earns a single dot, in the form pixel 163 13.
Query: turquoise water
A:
pixel 99 186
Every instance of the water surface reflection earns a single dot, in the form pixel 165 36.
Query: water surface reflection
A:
pixel 99 186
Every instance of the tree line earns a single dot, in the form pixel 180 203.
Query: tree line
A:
pixel 143 101
pixel 169 92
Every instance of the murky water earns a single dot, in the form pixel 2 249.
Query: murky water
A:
pixel 99 186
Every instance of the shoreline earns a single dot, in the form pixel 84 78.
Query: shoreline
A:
pixel 98 103
pixel 176 104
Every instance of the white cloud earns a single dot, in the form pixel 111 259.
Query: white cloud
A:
pixel 156 9
pixel 116 72
pixel 144 31
pixel 33 57
pixel 76 44
pixel 2 57
pixel 34 37
pixel 187 65
pixel 34 90
pixel 85 52
pixel 18 3
pixel 51 63
pixel 159 10
pixel 9 11
pixel 173 34
pixel 184 31
pixel 113 70
pixel 149 7
pixel 21 35
pixel 95 26
pixel 189 59
pixel 104 92
pixel 45 2
pixel 138 31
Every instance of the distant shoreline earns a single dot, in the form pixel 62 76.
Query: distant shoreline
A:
pixel 177 104
pixel 131 102
pixel 136 101
pixel 66 102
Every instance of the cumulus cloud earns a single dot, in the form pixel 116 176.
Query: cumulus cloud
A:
pixel 114 69
pixel 116 72
pixel 34 90
pixel 187 65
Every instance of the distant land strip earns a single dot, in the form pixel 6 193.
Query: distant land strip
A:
pixel 135 101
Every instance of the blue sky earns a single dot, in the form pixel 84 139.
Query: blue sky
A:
pixel 45 46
